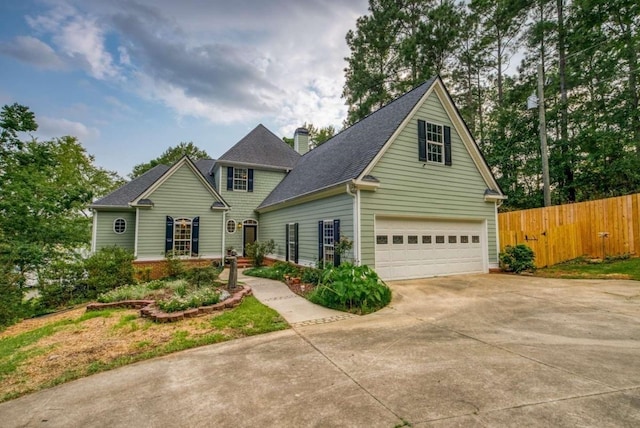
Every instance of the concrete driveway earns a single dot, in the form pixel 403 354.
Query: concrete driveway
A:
pixel 480 350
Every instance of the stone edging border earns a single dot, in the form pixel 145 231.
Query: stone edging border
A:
pixel 148 308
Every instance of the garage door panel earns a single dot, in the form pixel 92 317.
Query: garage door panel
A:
pixel 422 248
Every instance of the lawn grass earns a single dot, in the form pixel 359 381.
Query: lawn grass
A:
pixel 82 344
pixel 584 269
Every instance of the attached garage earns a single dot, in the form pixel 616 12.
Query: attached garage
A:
pixel 417 248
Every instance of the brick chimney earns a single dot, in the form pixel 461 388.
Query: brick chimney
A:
pixel 301 140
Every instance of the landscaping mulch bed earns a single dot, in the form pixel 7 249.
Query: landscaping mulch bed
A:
pixel 299 288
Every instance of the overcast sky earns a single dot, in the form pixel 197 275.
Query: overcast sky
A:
pixel 131 78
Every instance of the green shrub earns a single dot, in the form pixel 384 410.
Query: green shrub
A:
pixel 276 271
pixel 310 275
pixel 517 259
pixel 107 269
pixel 174 266
pixel 202 276
pixel 11 307
pixel 352 288
pixel 258 250
pixel 63 282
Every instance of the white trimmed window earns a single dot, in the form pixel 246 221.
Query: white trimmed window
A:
pixel 240 179
pixel 292 242
pixel 231 226
pixel 435 143
pixel 328 249
pixel 119 225
pixel 182 237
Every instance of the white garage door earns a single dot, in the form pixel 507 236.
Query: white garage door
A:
pixel 420 248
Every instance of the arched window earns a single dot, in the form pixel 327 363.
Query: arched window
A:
pixel 119 225
pixel 231 226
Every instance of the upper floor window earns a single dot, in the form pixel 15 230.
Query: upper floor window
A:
pixel 239 179
pixel 434 143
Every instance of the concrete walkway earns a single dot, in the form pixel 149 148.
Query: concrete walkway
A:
pixel 297 310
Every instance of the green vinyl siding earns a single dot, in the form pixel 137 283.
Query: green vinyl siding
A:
pixel 183 194
pixel 307 215
pixel 105 235
pixel 409 187
pixel 243 204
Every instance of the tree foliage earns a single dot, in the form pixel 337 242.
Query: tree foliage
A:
pixel 589 52
pixel 170 156
pixel 45 187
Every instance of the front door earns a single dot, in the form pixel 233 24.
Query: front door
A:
pixel 250 235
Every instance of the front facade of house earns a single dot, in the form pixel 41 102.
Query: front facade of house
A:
pixel 407 186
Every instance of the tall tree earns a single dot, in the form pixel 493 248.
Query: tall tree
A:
pixel 169 156
pixel 400 44
pixel 45 188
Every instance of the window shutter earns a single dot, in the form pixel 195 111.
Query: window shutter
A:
pixel 195 236
pixel 286 240
pixel 336 240
pixel 168 243
pixel 250 180
pixel 320 252
pixel 447 145
pixel 295 231
pixel 422 141
pixel 230 178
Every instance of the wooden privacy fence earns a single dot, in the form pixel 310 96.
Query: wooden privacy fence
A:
pixel 606 227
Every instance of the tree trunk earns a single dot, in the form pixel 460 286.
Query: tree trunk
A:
pixel 567 156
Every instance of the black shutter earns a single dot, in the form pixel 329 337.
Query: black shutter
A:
pixel 422 141
pixel 168 243
pixel 249 180
pixel 336 240
pixel 286 240
pixel 295 232
pixel 447 145
pixel 195 236
pixel 320 252
pixel 230 178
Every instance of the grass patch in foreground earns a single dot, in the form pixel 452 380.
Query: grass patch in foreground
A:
pixel 583 269
pixel 92 342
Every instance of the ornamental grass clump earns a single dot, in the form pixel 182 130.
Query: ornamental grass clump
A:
pixel 193 299
pixel 356 289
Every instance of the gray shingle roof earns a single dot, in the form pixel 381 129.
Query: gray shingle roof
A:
pixel 205 166
pixel 262 147
pixel 130 191
pixel 347 154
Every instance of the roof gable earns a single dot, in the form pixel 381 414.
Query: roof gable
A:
pixel 204 178
pixel 345 156
pixel 261 147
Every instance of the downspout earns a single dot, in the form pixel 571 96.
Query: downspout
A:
pixel 94 232
pixel 356 221
pixel 224 230
pixel 135 235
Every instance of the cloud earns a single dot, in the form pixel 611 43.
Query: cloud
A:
pixel 218 60
pixel 32 51
pixel 49 127
pixel 79 38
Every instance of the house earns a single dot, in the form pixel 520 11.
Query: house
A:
pixel 407 185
